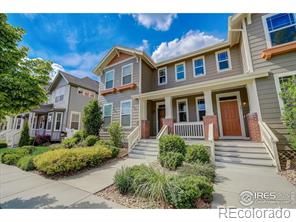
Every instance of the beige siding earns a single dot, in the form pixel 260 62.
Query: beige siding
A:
pixel 147 77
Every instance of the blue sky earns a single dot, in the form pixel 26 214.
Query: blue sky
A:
pixel 77 42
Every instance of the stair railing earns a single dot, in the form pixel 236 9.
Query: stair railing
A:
pixel 211 142
pixel 163 131
pixel 133 138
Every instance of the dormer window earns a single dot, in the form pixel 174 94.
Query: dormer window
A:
pixel 126 75
pixel 109 79
pixel 223 61
pixel 180 71
pixel 162 76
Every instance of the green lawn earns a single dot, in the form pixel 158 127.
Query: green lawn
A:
pixel 39 150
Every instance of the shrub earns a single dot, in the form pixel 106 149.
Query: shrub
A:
pixel 109 145
pixel 56 146
pixel 25 136
pixel 90 140
pixel 172 143
pixel 92 118
pixel 79 135
pixel 26 163
pixel 69 142
pixel 199 169
pixel 64 161
pixel 123 179
pixel 3 144
pixel 11 156
pixel 41 139
pixel 196 153
pixel 116 134
pixel 171 160
pixel 30 149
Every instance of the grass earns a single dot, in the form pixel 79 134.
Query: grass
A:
pixel 39 150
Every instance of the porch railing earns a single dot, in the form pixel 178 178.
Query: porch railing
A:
pixel 133 138
pixel 211 142
pixel 189 130
pixel 163 131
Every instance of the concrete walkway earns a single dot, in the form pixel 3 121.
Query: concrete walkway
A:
pixel 20 189
pixel 233 179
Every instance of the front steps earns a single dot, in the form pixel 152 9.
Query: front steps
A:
pixel 242 152
pixel 145 149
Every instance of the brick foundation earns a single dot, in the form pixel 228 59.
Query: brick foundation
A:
pixel 145 129
pixel 253 126
pixel 170 124
pixel 207 121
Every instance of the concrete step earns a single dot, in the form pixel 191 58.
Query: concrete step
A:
pixel 153 145
pixel 241 149
pixel 145 148
pixel 139 156
pixel 246 161
pixel 144 152
pixel 149 141
pixel 263 156
pixel 239 144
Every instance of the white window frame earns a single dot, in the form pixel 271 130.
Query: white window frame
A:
pixel 121 102
pixel 18 123
pixel 278 86
pixel 176 79
pixel 52 115
pixel 187 114
pixel 34 126
pixel 80 89
pixel 229 60
pixel 106 104
pixel 196 105
pixel 132 71
pixel 79 114
pixel 266 31
pixel 55 121
pixel 109 71
pixel 166 76
pixel 204 66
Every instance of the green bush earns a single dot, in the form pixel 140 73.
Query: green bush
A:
pixel 90 140
pixel 30 149
pixel 196 153
pixel 11 156
pixel 116 134
pixel 109 145
pixel 92 118
pixel 123 179
pixel 79 135
pixel 64 161
pixel 25 136
pixel 199 169
pixel 26 163
pixel 171 160
pixel 3 144
pixel 69 142
pixel 172 143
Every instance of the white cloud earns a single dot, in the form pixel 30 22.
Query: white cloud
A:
pixel 144 46
pixel 191 41
pixel 71 39
pixel 159 22
pixel 55 68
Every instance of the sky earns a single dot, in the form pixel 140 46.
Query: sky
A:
pixel 77 42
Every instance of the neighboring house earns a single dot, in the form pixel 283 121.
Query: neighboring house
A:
pixel 233 85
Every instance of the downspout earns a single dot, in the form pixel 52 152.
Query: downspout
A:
pixel 68 105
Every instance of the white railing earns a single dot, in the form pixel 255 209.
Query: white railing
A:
pixel 133 138
pixel 189 129
pixel 13 138
pixel 270 141
pixel 35 132
pixel 163 131
pixel 211 142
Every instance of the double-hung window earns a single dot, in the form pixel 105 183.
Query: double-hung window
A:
pixel 125 113
pixel 107 113
pixel 182 110
pixel 223 60
pixel 49 121
pixel 162 76
pixel 75 120
pixel 180 71
pixel 200 108
pixel 58 121
pixel 280 28
pixel 109 79
pixel 126 75
pixel 198 67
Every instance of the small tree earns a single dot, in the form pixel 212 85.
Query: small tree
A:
pixel 92 118
pixel 25 136
pixel 116 134
pixel 289 97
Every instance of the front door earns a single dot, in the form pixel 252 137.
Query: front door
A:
pixel 230 118
pixel 161 116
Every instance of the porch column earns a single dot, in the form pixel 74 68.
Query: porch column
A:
pixel 210 117
pixel 169 121
pixel 145 124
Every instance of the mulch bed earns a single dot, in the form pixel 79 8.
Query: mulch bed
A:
pixel 290 175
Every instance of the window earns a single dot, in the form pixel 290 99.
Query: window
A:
pixel 58 121
pixel 279 80
pixel 199 67
pixel 280 28
pixel 182 110
pixel 107 113
pixel 49 121
pixel 200 108
pixel 162 76
pixel 126 74
pixel 18 123
pixel 125 113
pixel 75 120
pixel 80 91
pixel 180 71
pixel 35 122
pixel 59 98
pixel 223 60
pixel 109 76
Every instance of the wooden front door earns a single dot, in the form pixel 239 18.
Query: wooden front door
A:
pixel 161 116
pixel 230 118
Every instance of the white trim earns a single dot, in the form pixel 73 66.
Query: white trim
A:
pixel 240 111
pixel 55 121
pixel 229 60
pixel 278 86
pixel 196 107
pixel 120 62
pixel 166 76
pixel 157 106
pixel 247 47
pixel 180 80
pixel 79 114
pixel 132 71
pixel 131 111
pixel 187 114
pixel 52 115
pixel 204 66
pixel 113 71
pixel 106 104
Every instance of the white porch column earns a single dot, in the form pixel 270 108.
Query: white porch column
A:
pixel 168 107
pixel 253 98
pixel 143 109
pixel 208 102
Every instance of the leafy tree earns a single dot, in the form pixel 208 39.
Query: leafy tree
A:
pixel 288 95
pixel 25 136
pixel 22 79
pixel 92 118
pixel 116 134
